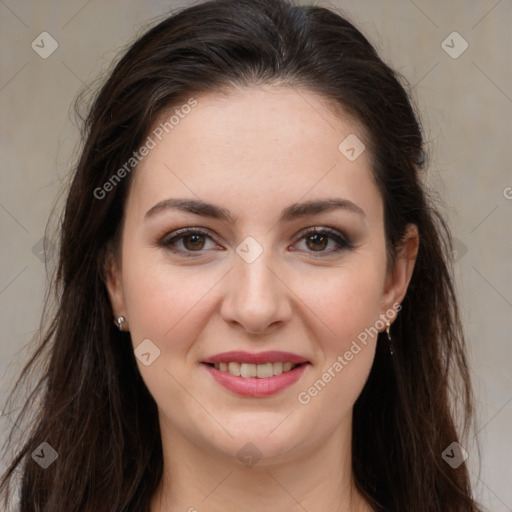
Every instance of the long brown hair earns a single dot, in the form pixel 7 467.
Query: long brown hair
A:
pixel 94 408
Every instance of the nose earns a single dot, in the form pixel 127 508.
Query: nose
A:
pixel 256 299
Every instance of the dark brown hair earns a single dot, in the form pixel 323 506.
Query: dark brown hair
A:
pixel 94 408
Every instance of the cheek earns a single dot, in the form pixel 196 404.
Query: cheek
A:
pixel 162 299
pixel 341 302
pixel 343 329
pixel 168 306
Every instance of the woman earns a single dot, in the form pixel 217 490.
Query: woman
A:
pixel 256 304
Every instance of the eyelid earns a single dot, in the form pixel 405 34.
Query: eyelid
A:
pixel 342 241
pixel 167 240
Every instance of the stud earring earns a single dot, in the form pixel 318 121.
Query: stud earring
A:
pixel 389 338
pixel 120 321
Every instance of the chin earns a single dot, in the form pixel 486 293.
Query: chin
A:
pixel 262 437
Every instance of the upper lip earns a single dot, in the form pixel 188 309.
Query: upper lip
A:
pixel 273 356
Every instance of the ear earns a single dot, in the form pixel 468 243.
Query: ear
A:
pixel 398 278
pixel 114 284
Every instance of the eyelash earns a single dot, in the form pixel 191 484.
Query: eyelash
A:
pixel 342 243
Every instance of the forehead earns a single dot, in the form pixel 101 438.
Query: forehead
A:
pixel 254 148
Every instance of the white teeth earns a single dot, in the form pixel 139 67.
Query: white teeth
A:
pixel 287 366
pixel 262 371
pixel 234 369
pixel 248 370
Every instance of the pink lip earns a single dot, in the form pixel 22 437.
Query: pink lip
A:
pixel 273 356
pixel 253 386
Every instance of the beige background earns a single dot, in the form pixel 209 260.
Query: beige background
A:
pixel 466 104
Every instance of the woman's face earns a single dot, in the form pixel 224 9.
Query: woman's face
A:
pixel 255 280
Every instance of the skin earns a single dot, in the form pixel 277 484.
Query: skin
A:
pixel 254 152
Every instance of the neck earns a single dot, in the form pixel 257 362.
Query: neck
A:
pixel 197 479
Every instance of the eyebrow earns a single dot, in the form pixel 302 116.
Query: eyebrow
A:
pixel 294 211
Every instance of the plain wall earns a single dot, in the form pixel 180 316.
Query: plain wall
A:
pixel 466 108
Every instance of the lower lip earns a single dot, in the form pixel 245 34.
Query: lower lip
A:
pixel 254 387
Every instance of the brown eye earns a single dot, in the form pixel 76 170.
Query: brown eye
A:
pixel 318 242
pixel 196 242
pixel 187 241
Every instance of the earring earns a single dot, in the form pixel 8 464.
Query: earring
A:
pixel 389 338
pixel 120 321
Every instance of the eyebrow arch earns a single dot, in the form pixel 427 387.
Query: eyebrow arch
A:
pixel 294 211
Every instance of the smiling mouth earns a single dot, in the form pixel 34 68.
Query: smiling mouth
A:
pixel 260 371
pixel 256 380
